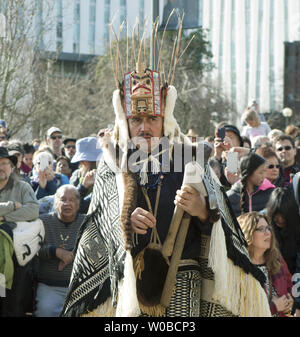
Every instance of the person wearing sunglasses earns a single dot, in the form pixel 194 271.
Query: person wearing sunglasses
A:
pixel 263 251
pixel 274 171
pixel 69 151
pixel 54 139
pixel 286 152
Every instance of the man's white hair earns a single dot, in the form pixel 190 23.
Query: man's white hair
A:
pixel 61 190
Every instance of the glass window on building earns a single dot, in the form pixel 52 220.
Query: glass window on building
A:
pixel 92 26
pixel 106 21
pixel 76 33
pixel 141 10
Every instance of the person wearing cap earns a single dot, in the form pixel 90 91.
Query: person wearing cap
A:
pixel 119 267
pixel 17 203
pixel 232 139
pixel 15 148
pixel 70 150
pixel 252 191
pixel 54 140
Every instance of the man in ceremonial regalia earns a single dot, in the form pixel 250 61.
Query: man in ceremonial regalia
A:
pixel 156 241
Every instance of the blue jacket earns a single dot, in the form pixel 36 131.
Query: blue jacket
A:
pixel 51 187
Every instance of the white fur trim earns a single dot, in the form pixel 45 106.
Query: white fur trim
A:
pixel 171 127
pixel 128 305
pixel 120 133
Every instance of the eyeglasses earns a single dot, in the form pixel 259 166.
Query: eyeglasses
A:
pixel 56 137
pixel 70 147
pixel 272 166
pixel 263 229
pixel 286 148
pixel 3 138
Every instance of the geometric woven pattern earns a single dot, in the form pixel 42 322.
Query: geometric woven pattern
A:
pixel 99 255
pixel 185 302
pixel 99 250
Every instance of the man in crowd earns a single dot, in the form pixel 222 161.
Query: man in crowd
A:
pixel 130 217
pixel 286 152
pixel 54 140
pixel 17 203
pixel 70 150
pixel 55 255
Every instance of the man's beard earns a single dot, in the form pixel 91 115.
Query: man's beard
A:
pixel 3 176
pixel 144 144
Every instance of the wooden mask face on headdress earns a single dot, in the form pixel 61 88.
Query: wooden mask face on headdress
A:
pixel 142 93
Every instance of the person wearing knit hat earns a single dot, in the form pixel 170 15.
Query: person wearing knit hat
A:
pixel 126 261
pixel 233 133
pixel 252 191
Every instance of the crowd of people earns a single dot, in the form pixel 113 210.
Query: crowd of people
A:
pixel 53 180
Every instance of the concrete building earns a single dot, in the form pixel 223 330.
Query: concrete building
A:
pixel 247 38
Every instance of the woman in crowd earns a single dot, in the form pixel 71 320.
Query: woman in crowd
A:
pixel 274 171
pixel 63 166
pixel 252 191
pixel 264 253
pixel 283 211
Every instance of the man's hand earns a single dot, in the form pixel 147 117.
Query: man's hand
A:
pixel 49 173
pixel 242 151
pixel 232 178
pixel 220 146
pixel 66 257
pixel 282 304
pixel 42 178
pixel 191 201
pixel 141 220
